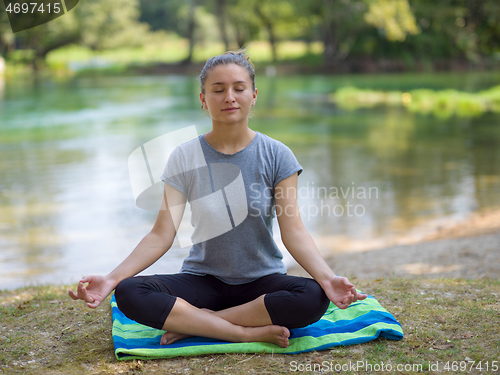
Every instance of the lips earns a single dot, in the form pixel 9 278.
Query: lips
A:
pixel 230 109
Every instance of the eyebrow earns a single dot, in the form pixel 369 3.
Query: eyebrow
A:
pixel 222 83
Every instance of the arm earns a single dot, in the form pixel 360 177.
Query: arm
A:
pixel 303 249
pixel 154 245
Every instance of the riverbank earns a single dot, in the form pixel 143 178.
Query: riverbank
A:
pixel 169 57
pixel 466 249
pixel 448 323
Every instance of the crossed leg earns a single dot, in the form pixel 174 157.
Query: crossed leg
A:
pixel 179 304
pixel 249 322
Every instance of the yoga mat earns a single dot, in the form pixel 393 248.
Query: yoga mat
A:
pixel 361 322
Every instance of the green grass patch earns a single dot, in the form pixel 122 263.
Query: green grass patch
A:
pixel 447 322
pixel 78 60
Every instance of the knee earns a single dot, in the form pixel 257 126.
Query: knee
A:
pixel 124 293
pixel 302 305
pixel 315 303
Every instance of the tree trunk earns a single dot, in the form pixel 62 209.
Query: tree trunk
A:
pixel 190 33
pixel 221 20
pixel 240 36
pixel 330 36
pixel 270 29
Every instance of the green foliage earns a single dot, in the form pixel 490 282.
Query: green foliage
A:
pixel 161 14
pixel 95 24
pixel 110 24
pixel 443 103
pixel 416 33
pixel 6 35
pixel 244 26
pixel 393 16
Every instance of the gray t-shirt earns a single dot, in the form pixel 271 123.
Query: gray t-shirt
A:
pixel 232 206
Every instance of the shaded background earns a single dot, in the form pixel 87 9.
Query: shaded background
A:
pixel 396 101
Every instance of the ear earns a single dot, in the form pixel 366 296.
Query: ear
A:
pixel 254 100
pixel 203 102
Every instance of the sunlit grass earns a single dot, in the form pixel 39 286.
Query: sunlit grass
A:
pixel 173 50
pixel 169 50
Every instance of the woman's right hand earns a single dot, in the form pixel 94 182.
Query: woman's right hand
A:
pixel 98 288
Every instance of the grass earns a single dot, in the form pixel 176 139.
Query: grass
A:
pixel 78 60
pixel 445 321
pixel 172 50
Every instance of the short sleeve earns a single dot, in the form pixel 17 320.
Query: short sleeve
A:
pixel 174 173
pixel 286 163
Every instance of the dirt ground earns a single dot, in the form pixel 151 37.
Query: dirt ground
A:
pixel 467 249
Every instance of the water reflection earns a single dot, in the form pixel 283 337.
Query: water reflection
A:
pixel 66 205
pixel 2 85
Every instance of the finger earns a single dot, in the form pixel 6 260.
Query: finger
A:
pixel 362 296
pixel 354 294
pixel 73 295
pixel 79 291
pixel 342 305
pixel 347 284
pixel 85 296
pixel 86 279
pixel 94 304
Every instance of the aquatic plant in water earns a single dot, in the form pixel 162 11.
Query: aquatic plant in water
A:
pixel 442 103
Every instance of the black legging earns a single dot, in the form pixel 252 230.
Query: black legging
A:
pixel 291 301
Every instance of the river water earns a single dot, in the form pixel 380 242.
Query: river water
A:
pixel 66 203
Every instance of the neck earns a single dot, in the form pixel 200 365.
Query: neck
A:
pixel 229 139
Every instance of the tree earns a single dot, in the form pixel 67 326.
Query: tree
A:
pixel 220 15
pixel 394 17
pixel 455 30
pixel 278 19
pixel 162 14
pixel 96 24
pixel 190 29
pixel 6 35
pixel 346 20
pixel 341 23
pixel 49 36
pixel 236 21
pixel 110 24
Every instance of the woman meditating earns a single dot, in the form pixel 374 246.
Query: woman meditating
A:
pixel 233 285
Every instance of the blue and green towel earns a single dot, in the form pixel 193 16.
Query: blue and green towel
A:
pixel 361 322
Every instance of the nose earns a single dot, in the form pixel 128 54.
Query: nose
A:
pixel 230 96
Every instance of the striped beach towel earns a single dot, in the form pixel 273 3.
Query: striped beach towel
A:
pixel 361 322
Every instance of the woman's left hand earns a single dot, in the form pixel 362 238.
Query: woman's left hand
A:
pixel 341 292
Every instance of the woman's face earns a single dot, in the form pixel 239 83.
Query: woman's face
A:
pixel 229 94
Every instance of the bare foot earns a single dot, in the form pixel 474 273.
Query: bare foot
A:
pixel 171 337
pixel 273 334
